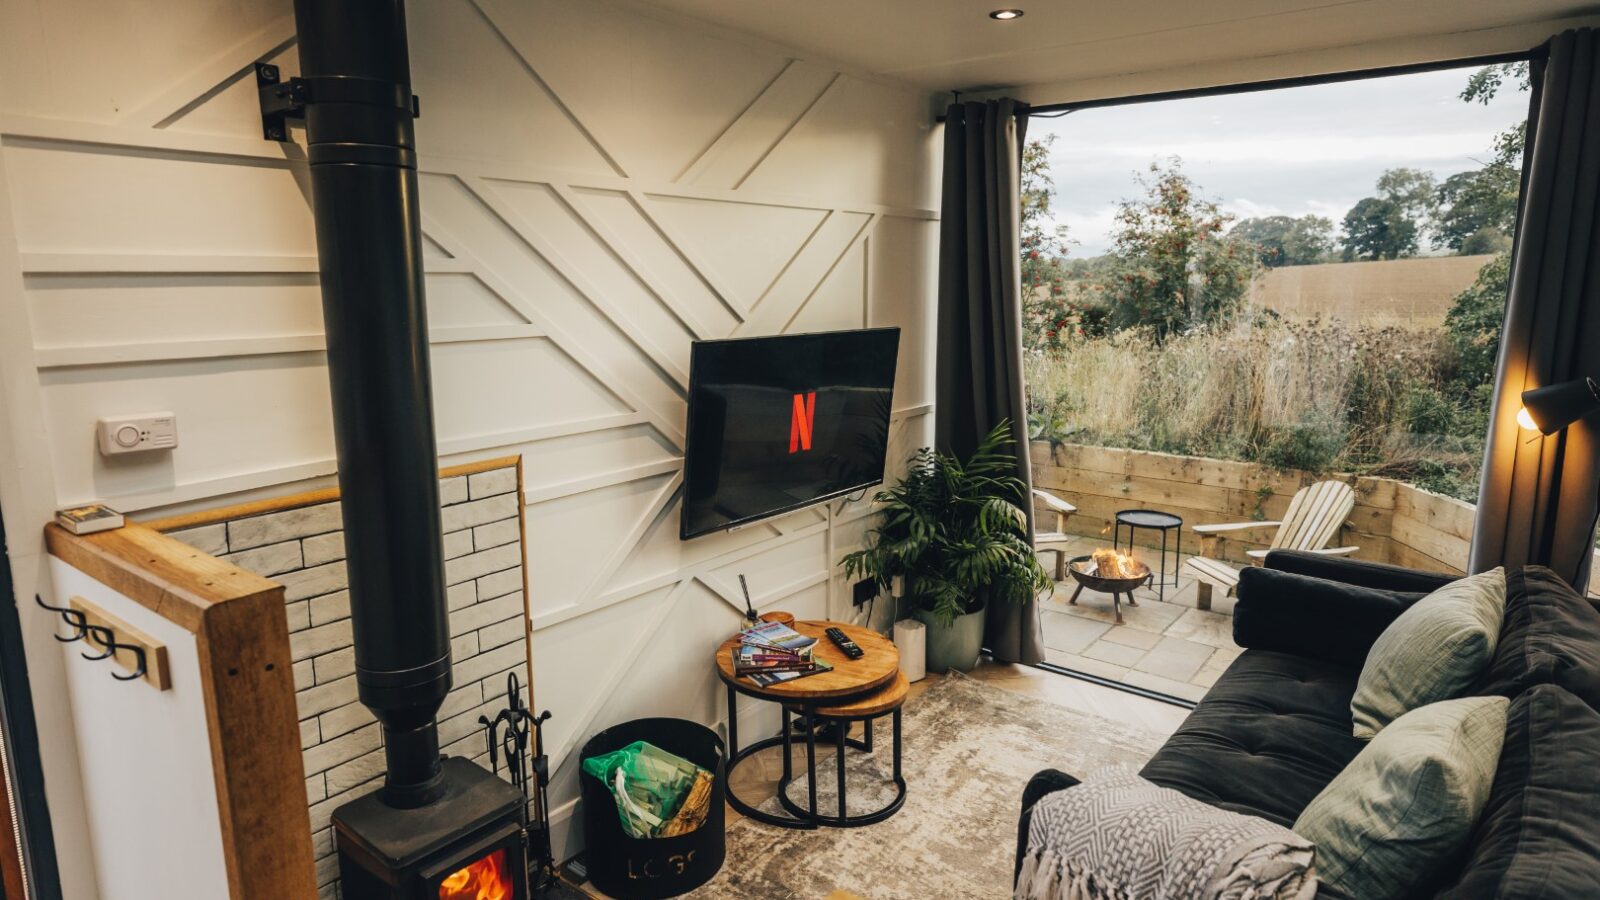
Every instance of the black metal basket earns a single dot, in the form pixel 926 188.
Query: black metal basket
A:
pixel 630 868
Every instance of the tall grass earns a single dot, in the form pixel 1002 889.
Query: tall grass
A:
pixel 1317 395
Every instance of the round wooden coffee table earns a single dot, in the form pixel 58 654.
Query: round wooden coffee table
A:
pixel 857 690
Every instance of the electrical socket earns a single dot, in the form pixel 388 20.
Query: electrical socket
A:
pixel 863 591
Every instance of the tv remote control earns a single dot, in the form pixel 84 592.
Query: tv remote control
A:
pixel 843 643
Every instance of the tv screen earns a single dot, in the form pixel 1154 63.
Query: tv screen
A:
pixel 777 423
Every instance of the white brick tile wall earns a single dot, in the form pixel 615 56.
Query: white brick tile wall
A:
pixel 212 539
pixel 314 581
pixel 269 560
pixel 506 531
pixel 343 719
pixel 330 607
pixel 303 549
pixel 477 565
pixel 291 524
pixel 498 584
pixel 495 481
pixel 323 548
pixel 479 512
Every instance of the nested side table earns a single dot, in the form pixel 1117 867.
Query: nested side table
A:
pixel 857 690
pixel 1160 521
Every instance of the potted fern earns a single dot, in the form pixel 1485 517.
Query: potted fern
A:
pixel 955 530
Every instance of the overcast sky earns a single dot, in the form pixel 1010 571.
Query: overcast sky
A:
pixel 1290 152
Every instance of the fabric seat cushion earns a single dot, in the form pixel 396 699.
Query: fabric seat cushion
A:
pixel 1435 650
pixel 1390 824
pixel 1272 732
pixel 1539 835
pixel 1551 635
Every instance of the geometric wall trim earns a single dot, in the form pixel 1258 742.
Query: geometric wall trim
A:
pixel 600 186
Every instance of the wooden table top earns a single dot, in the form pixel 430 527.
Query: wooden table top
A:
pixel 878 665
pixel 881 700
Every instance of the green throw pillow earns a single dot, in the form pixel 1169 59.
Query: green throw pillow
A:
pixel 1434 651
pixel 1407 803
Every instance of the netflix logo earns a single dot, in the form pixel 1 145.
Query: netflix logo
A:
pixel 802 417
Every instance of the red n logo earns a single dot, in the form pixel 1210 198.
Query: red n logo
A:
pixel 801 419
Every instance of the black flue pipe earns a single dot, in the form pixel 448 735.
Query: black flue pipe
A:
pixel 361 144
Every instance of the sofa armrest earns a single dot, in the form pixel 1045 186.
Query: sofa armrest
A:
pixel 1313 617
pixel 1047 782
pixel 1357 572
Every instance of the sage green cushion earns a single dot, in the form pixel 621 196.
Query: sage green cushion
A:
pixel 1388 824
pixel 1435 650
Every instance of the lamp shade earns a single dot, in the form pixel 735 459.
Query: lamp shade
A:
pixel 1559 405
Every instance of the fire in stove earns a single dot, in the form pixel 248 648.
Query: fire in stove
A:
pixel 485 879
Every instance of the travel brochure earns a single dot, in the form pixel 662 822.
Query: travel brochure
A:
pixel 772 652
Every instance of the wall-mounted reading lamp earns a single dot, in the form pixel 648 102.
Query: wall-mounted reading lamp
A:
pixel 1547 410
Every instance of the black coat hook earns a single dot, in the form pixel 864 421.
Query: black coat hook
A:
pixel 101 636
pixel 74 618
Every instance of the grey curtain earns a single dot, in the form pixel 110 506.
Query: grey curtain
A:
pixel 1537 500
pixel 979 349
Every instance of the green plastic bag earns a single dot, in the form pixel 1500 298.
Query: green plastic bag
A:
pixel 648 783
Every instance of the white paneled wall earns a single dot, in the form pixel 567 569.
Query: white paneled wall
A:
pixel 601 185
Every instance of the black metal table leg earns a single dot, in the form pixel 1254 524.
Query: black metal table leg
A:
pixel 788 764
pixel 868 727
pixel 897 748
pixel 1163 590
pixel 844 731
pixel 811 763
pixel 733 722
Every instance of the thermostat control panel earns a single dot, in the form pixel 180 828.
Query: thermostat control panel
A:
pixel 137 434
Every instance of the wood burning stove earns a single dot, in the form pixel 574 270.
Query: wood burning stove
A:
pixel 439 829
pixel 466 846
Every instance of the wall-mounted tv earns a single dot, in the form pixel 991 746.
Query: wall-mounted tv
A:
pixel 777 423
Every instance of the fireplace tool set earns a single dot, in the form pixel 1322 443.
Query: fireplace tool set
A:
pixel 507 734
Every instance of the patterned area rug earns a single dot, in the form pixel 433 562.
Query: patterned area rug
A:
pixel 969 750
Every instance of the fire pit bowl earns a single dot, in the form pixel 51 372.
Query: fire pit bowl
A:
pixel 1086 572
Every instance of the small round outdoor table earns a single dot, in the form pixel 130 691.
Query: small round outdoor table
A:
pixel 1160 521
pixel 857 690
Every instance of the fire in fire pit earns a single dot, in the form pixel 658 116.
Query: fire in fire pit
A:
pixel 1111 564
pixel 1111 573
pixel 485 879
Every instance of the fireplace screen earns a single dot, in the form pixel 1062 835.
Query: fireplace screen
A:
pixel 486 879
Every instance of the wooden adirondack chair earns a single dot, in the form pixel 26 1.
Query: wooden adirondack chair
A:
pixel 1315 515
pixel 1055 541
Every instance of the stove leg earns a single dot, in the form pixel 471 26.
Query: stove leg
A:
pixel 1074 600
pixel 1116 605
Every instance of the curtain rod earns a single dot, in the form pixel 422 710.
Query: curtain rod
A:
pixel 1278 83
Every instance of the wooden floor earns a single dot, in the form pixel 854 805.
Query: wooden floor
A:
pixel 758 777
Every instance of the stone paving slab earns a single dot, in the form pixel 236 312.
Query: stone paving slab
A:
pixel 1172 646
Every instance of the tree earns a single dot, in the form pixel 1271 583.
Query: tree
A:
pixel 1286 241
pixel 1175 269
pixel 1043 242
pixel 1412 190
pixel 1477 210
pixel 1378 228
pixel 1051 315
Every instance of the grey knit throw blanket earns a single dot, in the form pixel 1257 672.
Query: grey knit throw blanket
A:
pixel 1119 837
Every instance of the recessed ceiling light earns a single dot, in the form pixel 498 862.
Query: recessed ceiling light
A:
pixel 1004 14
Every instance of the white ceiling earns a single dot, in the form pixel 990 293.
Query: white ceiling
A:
pixel 946 44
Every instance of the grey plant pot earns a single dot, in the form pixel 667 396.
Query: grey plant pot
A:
pixel 952 646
